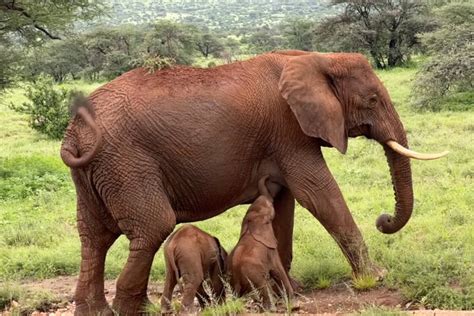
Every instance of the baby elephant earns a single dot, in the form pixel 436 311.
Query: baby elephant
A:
pixel 254 263
pixel 194 256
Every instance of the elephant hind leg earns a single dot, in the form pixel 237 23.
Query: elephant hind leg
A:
pixel 96 239
pixel 170 283
pixel 192 281
pixel 146 218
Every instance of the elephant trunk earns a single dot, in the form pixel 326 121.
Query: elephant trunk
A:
pixel 400 171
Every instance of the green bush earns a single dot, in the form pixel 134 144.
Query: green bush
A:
pixel 446 80
pixel 48 107
pixel 154 62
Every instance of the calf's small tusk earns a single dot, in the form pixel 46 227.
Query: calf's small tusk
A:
pixel 413 154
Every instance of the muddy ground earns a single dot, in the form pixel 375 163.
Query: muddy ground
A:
pixel 339 299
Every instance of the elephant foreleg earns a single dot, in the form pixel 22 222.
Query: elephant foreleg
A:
pixel 284 204
pixel 315 189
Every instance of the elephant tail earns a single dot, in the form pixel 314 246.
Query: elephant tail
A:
pixel 173 268
pixel 263 189
pixel 69 150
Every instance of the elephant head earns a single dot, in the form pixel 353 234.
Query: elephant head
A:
pixel 336 96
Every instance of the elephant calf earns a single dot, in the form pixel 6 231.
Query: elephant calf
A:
pixel 254 263
pixel 194 256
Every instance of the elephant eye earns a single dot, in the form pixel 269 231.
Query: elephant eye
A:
pixel 372 101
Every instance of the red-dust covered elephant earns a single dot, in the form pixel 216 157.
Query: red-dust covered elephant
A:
pixel 150 150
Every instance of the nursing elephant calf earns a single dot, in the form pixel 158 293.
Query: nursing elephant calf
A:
pixel 254 264
pixel 150 150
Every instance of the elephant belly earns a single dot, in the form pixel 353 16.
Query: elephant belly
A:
pixel 207 193
pixel 201 197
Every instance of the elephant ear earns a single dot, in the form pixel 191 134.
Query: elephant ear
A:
pixel 263 233
pixel 305 84
pixel 260 226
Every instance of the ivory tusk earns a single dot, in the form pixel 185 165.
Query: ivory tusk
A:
pixel 413 154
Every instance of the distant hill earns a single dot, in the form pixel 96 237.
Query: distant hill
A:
pixel 222 15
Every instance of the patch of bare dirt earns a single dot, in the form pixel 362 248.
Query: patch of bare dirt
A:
pixel 340 299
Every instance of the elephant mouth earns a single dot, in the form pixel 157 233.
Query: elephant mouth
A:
pixel 360 130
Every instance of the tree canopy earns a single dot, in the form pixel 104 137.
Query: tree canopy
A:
pixel 36 20
pixel 450 69
pixel 31 22
pixel 386 30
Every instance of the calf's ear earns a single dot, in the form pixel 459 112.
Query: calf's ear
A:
pixel 263 233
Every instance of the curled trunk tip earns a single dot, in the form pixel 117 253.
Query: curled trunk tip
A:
pixel 385 224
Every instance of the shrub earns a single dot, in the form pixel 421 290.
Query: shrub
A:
pixel 154 62
pixel 450 69
pixel 364 282
pixel 48 107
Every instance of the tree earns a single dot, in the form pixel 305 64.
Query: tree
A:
pixel 450 69
pixel 208 44
pixel 9 65
pixel 298 34
pixel 103 52
pixel 170 39
pixel 31 23
pixel 232 49
pixel 112 51
pixel 35 21
pixel 264 40
pixel 58 59
pixel 386 30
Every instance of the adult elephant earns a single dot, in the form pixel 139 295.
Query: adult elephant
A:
pixel 150 150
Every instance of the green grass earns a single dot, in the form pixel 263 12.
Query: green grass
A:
pixel 364 282
pixel 378 311
pixel 24 302
pixel 430 260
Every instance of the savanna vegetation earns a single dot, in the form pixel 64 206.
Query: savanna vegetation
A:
pixel 424 55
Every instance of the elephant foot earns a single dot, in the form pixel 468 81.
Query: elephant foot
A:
pixel 296 285
pixel 374 270
pixel 86 309
pixel 131 305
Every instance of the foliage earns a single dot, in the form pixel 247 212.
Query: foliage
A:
pixel 450 70
pixel 19 301
pixel 102 53
pixel 364 282
pixel 35 21
pixel 59 59
pixel 232 305
pixel 208 44
pixel 31 23
pixel 264 40
pixel 171 39
pixel 230 16
pixel 298 34
pixel 153 63
pixel 385 30
pixel 8 294
pixel 48 107
pixel 231 49
pixel 112 50
pixel 430 260
pixel 9 65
